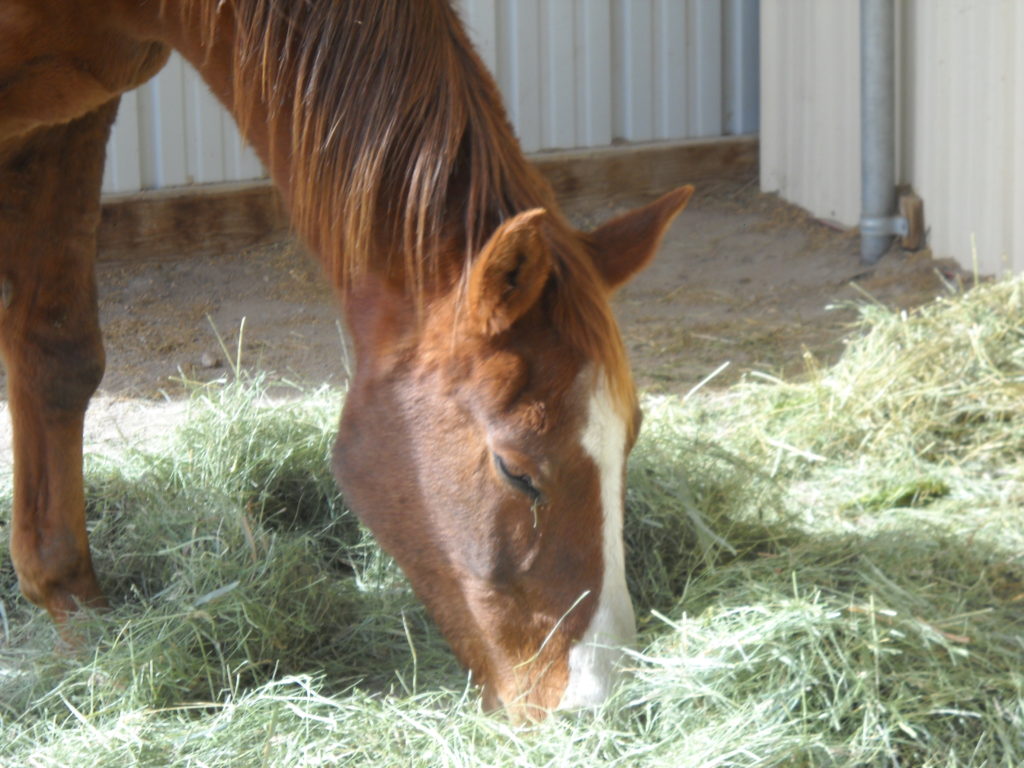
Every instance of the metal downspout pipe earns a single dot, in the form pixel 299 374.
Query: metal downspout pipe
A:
pixel 878 222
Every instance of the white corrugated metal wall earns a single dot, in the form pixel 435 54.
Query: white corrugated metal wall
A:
pixel 963 126
pixel 574 73
pixel 960 95
pixel 810 87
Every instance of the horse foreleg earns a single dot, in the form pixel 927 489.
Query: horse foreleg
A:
pixel 50 341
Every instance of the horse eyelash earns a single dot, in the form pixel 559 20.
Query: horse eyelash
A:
pixel 522 483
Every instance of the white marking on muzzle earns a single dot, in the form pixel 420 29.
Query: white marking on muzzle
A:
pixel 594 660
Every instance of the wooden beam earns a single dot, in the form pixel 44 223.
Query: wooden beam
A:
pixel 647 168
pixel 188 221
pixel 213 219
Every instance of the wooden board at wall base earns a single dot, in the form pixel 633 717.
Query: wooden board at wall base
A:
pixel 220 218
pixel 640 169
pixel 912 210
pixel 208 219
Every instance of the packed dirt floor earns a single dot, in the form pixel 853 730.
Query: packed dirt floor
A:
pixel 741 279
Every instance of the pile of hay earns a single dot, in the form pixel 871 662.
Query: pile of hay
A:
pixel 826 572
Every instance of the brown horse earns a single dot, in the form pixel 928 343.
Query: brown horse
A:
pixel 484 436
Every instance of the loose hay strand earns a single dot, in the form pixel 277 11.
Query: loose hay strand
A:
pixel 826 572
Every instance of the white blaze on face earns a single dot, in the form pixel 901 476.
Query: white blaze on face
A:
pixel 594 659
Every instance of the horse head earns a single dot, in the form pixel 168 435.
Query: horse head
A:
pixel 484 441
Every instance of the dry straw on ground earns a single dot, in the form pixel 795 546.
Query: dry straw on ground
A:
pixel 827 572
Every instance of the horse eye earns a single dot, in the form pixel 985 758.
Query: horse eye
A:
pixel 522 483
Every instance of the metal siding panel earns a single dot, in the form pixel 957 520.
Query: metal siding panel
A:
pixel 252 166
pixel 121 168
pixel 810 140
pixel 908 94
pixel 505 54
pixel 163 115
pixel 1001 148
pixel 990 118
pixel 480 17
pixel 147 109
pixel 969 59
pixel 932 132
pixel 1015 199
pixel 670 70
pixel 952 107
pixel 593 73
pixel 773 102
pixel 931 77
pixel 557 36
pixel 1000 23
pixel 204 136
pixel 740 92
pixel 518 68
pixel 618 70
pixel 994 117
pixel 839 154
pixel 788 107
pixel 109 184
pixel 961 100
pixel 704 60
pixel 241 161
pixel 807 75
pixel 635 99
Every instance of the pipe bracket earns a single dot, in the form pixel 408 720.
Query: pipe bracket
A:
pixel 880 226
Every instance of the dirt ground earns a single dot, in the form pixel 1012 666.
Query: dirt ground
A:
pixel 742 278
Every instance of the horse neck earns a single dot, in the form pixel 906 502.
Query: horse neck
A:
pixel 484 176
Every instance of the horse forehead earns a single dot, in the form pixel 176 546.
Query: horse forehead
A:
pixel 498 377
pixel 497 373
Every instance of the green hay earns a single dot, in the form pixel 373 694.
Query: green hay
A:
pixel 826 572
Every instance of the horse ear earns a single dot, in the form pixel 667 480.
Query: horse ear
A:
pixel 509 274
pixel 625 245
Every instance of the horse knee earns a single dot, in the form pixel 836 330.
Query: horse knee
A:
pixel 81 364
pixel 61 370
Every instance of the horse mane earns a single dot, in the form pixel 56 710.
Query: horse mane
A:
pixel 400 154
